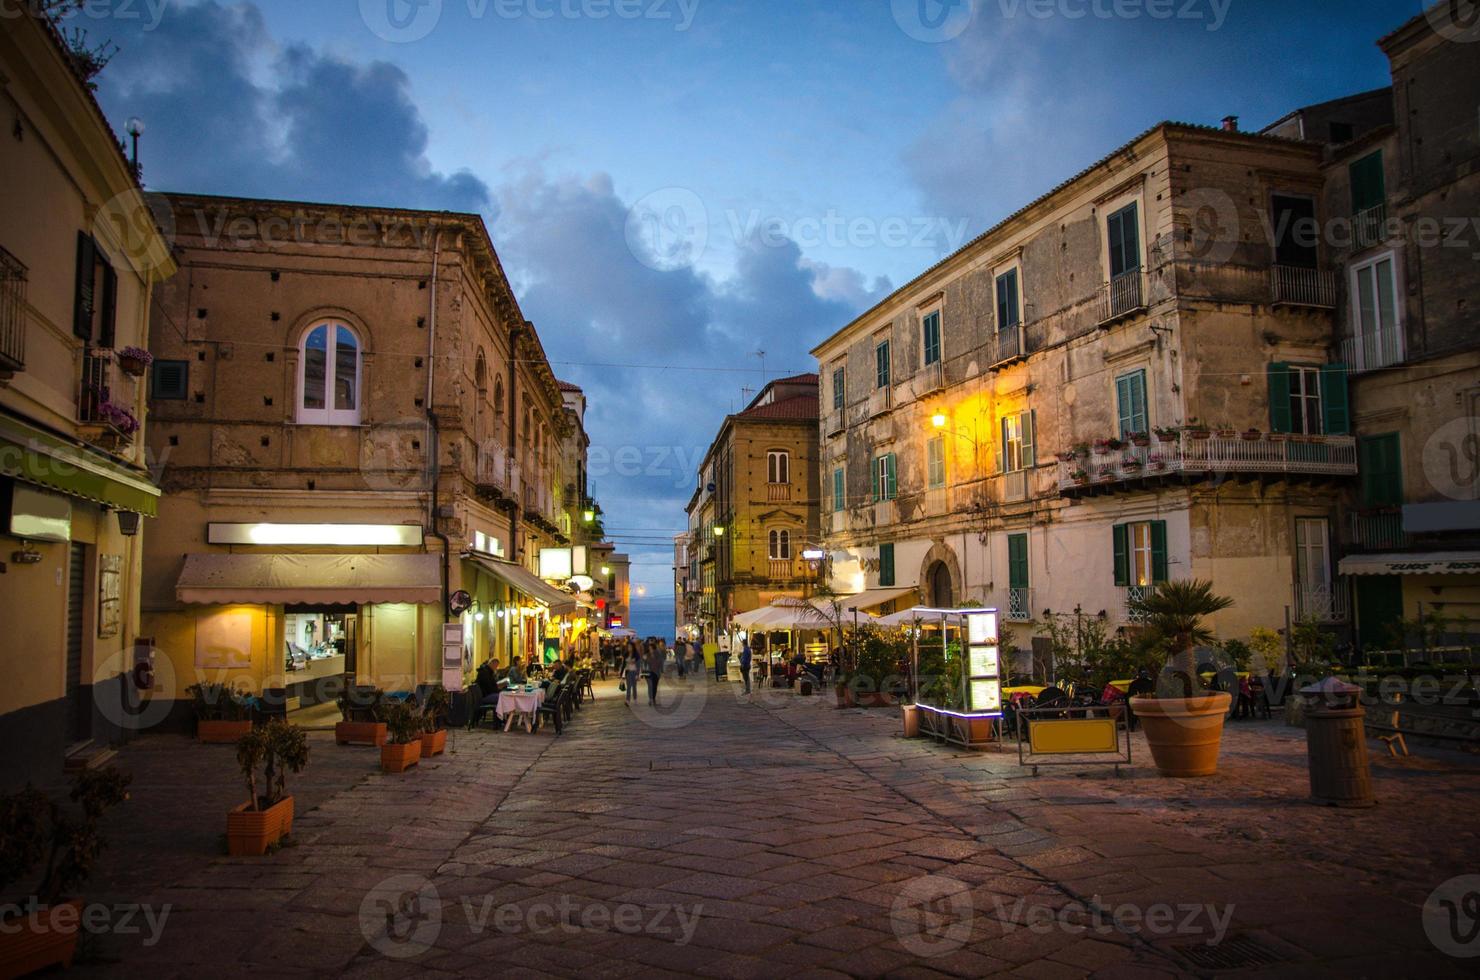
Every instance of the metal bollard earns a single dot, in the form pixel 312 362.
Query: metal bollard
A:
pixel 1336 745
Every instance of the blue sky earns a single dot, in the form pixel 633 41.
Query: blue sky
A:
pixel 790 162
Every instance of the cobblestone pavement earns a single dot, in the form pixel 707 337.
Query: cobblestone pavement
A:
pixel 775 836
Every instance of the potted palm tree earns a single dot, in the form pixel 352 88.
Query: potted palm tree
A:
pixel 403 724
pixel 50 851
pixel 274 750
pixel 434 722
pixel 1183 721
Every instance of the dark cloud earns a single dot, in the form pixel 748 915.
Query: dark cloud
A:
pixel 318 128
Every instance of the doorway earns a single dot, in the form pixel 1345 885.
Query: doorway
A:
pixel 78 720
pixel 942 594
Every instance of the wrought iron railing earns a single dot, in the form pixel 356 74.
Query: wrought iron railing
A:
pixel 880 400
pixel 1369 226
pixel 1019 605
pixel 95 386
pixel 1008 344
pixel 1132 597
pixel 1379 531
pixel 1294 286
pixel 1371 351
pixel 1122 295
pixel 495 467
pixel 12 312
pixel 1267 453
pixel 1325 603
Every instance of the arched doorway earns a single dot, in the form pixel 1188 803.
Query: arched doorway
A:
pixel 938 582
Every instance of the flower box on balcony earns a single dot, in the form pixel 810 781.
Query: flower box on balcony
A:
pixel 1079 477
pixel 1166 435
pixel 1105 472
pixel 1275 436
pixel 1140 439
pixel 1252 435
pixel 1196 430
pixel 1101 447
pixel 1226 432
pixel 134 361
pixel 1130 465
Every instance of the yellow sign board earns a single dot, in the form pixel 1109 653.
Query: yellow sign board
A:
pixel 1066 736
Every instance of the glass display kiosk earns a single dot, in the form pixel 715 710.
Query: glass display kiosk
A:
pixel 956 675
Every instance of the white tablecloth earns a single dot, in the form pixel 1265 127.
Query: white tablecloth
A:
pixel 526 702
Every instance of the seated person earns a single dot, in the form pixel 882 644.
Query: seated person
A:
pixel 516 673
pixel 559 671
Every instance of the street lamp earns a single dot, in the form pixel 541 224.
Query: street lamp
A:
pixel 719 531
pixel 938 420
pixel 588 516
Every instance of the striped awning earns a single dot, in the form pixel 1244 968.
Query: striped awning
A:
pixel 520 579
pixel 310 579
pixel 1430 563
pixel 38 457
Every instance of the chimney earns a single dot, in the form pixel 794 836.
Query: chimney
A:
pixel 1230 124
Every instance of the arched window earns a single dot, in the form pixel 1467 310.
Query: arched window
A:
pixel 780 545
pixel 778 466
pixel 498 402
pixel 329 375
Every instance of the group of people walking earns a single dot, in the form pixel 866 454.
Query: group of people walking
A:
pixel 647 660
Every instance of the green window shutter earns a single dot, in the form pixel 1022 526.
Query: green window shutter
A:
pixel 1335 410
pixel 1002 447
pixel 108 312
pixel 838 489
pixel 1158 551
pixel 1367 181
pixel 1279 398
pixel 1122 555
pixel 874 469
pixel 82 297
pixel 892 475
pixel 1030 437
pixel 886 564
pixel 1017 561
pixel 1380 463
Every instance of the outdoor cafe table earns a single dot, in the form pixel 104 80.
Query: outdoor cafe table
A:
pixel 520 706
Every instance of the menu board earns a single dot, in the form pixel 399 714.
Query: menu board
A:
pixel 984 683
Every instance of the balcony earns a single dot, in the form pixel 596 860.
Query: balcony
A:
pixel 1122 297
pixel 778 493
pixel 1020 605
pixel 1130 598
pixel 1294 286
pixel 1372 351
pixel 1379 530
pixel 1015 486
pixel 1369 226
pixel 1008 345
pixel 1325 603
pixel 781 569
pixel 497 475
pixel 833 422
pixel 12 314
pixel 1185 457
pixel 880 401
pixel 930 378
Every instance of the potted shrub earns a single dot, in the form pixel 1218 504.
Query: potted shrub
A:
pixel 1079 476
pixel 1156 462
pixel 1106 471
pixel 402 748
pixel 1183 721
pixel 1166 434
pixel 1080 450
pixel 38 835
pixel 1130 464
pixel 1114 445
pixel 361 726
pixel 1197 429
pixel 274 750
pixel 134 361
pixel 434 722
pixel 1101 447
pixel 1140 438
pixel 1225 431
pixel 222 715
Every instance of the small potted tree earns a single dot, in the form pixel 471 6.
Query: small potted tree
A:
pixel 37 832
pixel 434 722
pixel 1166 434
pixel 273 751
pixel 403 723
pixel 1197 429
pixel 222 715
pixel 361 725
pixel 1183 721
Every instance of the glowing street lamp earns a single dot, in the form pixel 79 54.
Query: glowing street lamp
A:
pixel 588 516
pixel 938 420
pixel 719 531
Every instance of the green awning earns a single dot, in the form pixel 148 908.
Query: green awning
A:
pixel 36 456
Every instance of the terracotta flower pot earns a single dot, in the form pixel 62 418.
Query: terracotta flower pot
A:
pixel 400 756
pixel 35 941
pixel 222 732
pixel 249 833
pixel 433 743
pixel 1184 733
pixel 132 366
pixel 359 733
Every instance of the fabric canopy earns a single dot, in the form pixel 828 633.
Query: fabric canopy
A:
pixel 1430 563
pixel 866 600
pixel 522 580
pixel 787 614
pixel 907 616
pixel 27 453
pixel 305 579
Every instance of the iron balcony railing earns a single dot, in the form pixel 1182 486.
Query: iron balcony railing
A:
pixel 95 386
pixel 1131 598
pixel 12 312
pixel 1369 226
pixel 1019 605
pixel 1371 351
pixel 1379 531
pixel 880 401
pixel 1323 603
pixel 1294 286
pixel 1121 296
pixel 496 470
pixel 1008 344
pixel 1274 453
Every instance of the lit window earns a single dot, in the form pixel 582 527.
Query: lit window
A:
pixel 329 376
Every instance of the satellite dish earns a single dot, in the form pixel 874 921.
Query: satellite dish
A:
pixel 459 602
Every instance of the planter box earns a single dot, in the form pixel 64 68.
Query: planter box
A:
pixel 359 733
pixel 433 743
pixel 249 833
pixel 32 942
pixel 222 732
pixel 1184 734
pixel 400 756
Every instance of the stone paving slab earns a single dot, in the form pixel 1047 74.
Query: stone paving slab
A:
pixel 776 836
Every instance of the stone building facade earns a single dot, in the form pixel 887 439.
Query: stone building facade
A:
pixel 357 424
pixel 755 511
pixel 78 256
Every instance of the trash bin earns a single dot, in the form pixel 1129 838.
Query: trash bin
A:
pixel 911 720
pixel 1336 745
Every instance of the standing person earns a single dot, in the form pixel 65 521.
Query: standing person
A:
pixel 680 657
pixel 745 663
pixel 657 661
pixel 631 667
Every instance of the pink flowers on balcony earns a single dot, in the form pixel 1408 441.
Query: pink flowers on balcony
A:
pixel 118 417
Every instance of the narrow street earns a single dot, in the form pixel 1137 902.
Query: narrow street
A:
pixel 730 837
